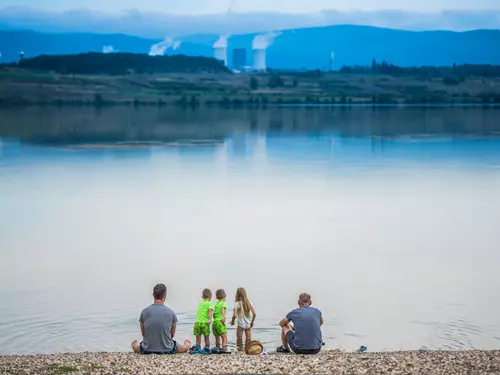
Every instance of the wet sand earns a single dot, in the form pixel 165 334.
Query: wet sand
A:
pixel 328 362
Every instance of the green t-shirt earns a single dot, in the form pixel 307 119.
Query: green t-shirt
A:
pixel 202 314
pixel 218 310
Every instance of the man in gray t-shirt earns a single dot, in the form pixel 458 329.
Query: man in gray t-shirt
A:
pixel 158 324
pixel 305 335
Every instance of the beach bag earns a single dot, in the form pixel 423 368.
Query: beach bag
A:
pixel 254 347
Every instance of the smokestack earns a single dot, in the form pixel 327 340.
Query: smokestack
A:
pixel 220 48
pixel 220 53
pixel 259 60
pixel 260 43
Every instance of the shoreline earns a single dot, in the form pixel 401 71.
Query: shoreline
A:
pixel 328 361
pixel 238 105
pixel 27 87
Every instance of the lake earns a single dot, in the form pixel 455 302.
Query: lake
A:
pixel 387 216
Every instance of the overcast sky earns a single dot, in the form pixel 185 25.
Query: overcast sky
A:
pixel 287 6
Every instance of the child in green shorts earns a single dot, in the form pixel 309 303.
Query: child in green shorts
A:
pixel 219 325
pixel 204 317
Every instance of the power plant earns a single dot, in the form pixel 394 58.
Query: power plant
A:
pixel 259 60
pixel 239 58
pixel 220 53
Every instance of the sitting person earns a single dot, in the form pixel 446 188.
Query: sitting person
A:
pixel 158 324
pixel 305 335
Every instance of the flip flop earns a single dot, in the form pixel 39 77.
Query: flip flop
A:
pixel 194 350
pixel 206 351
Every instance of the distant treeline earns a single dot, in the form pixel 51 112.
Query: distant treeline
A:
pixel 455 71
pixel 122 64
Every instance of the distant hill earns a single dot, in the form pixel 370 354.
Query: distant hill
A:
pixel 294 49
pixel 358 45
pixel 34 44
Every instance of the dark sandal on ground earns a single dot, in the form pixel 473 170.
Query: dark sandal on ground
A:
pixel 194 350
pixel 282 349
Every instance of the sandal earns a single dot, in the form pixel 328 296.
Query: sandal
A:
pixel 194 350
pixel 282 349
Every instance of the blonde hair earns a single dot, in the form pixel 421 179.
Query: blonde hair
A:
pixel 242 298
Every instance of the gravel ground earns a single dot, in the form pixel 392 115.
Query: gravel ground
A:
pixel 329 362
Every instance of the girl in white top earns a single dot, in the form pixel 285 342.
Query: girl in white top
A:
pixel 244 313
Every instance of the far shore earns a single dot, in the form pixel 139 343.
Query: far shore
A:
pixel 21 87
pixel 426 362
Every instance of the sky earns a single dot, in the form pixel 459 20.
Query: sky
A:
pixel 160 18
pixel 285 6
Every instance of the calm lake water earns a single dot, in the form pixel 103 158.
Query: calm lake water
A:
pixel 388 217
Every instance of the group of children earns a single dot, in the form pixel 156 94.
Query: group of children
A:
pixel 243 315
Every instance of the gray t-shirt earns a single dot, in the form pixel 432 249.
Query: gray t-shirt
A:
pixel 307 327
pixel 158 320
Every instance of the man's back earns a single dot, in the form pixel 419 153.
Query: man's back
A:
pixel 307 327
pixel 158 319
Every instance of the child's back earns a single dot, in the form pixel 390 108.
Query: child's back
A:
pixel 242 319
pixel 244 314
pixel 203 312
pixel 219 326
pixel 204 317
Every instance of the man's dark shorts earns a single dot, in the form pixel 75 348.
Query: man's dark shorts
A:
pixel 173 351
pixel 290 337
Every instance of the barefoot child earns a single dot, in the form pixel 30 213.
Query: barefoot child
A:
pixel 219 325
pixel 204 318
pixel 244 312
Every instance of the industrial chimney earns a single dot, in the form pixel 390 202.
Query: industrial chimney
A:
pixel 220 53
pixel 259 60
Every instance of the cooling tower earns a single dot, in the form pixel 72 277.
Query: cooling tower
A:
pixel 220 53
pixel 259 60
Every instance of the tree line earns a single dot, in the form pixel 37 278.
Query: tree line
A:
pixel 122 64
pixel 457 71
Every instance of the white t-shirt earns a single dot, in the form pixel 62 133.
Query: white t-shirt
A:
pixel 240 314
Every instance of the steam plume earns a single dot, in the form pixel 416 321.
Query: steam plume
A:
pixel 263 41
pixel 159 49
pixel 222 41
pixel 108 49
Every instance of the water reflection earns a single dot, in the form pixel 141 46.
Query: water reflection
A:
pixel 387 216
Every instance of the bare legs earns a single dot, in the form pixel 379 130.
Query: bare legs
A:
pixel 207 341
pixel 284 331
pixel 239 337
pixel 224 341
pixel 248 335
pixel 217 341
pixel 222 338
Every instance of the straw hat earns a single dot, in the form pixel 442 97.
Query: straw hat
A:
pixel 254 348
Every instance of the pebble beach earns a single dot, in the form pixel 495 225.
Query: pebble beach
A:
pixel 328 362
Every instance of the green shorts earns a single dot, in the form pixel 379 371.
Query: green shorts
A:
pixel 218 328
pixel 201 329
